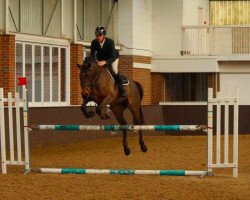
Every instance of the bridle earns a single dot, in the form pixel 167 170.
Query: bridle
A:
pixel 92 77
pixel 83 81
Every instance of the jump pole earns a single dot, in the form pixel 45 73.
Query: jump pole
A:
pixel 226 101
pixel 120 127
pixel 218 102
pixel 122 172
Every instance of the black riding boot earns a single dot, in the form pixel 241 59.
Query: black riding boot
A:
pixel 119 83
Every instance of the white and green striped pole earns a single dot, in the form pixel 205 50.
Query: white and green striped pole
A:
pixel 121 127
pixel 122 172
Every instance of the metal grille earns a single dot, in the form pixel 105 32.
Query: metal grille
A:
pixel 216 40
pixel 91 14
pixel 40 17
pixel 183 87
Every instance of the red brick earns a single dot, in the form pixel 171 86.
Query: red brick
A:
pixel 76 57
pixel 143 76
pixel 7 63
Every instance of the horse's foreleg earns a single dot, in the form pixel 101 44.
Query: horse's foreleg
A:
pixel 101 108
pixel 86 113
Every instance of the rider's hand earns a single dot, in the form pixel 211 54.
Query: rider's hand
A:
pixel 102 63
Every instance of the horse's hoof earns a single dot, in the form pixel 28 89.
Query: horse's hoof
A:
pixel 144 148
pixel 89 114
pixel 126 151
pixel 105 116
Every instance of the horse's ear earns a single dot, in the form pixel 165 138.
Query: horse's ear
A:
pixel 79 66
pixel 89 60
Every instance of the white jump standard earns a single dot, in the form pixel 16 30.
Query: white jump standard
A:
pixel 211 162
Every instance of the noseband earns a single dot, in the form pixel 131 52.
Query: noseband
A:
pixel 92 78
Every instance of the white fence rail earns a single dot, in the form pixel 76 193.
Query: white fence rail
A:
pixel 215 40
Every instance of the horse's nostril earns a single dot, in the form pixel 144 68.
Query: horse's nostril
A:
pixel 85 94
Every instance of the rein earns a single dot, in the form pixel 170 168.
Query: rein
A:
pixel 93 78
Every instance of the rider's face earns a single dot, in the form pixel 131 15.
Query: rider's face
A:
pixel 100 38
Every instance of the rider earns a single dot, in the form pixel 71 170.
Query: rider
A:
pixel 104 52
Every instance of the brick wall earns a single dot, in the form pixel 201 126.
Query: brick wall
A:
pixel 7 63
pixel 157 87
pixel 143 76
pixel 76 57
pixel 142 59
pixel 126 65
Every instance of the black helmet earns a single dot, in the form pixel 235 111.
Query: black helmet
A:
pixel 100 30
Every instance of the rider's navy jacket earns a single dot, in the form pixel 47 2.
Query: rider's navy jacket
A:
pixel 107 52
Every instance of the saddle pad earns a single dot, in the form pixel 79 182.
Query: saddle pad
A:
pixel 125 81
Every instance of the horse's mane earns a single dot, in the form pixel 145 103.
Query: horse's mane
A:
pixel 88 61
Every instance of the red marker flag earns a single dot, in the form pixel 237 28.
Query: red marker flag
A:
pixel 22 81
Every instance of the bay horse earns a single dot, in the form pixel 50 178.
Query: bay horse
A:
pixel 98 85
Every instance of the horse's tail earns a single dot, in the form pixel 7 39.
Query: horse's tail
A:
pixel 140 88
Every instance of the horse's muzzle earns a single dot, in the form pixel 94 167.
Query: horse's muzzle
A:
pixel 85 93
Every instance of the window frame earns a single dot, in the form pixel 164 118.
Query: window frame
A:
pixel 46 42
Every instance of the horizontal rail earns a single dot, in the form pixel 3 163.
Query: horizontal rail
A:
pixel 223 100
pixel 223 165
pixel 120 127
pixel 215 26
pixel 122 172
pixel 15 162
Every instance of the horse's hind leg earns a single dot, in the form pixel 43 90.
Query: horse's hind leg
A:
pixel 126 149
pixel 118 112
pixel 137 118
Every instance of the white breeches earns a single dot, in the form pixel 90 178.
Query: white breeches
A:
pixel 115 66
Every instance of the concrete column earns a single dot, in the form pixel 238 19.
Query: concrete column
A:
pixel 134 19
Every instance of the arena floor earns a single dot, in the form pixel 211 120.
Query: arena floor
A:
pixel 164 152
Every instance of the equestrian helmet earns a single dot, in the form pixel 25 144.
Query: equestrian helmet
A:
pixel 100 30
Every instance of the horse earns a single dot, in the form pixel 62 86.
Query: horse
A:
pixel 98 85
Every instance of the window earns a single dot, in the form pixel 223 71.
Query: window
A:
pixel 40 17
pixel 229 12
pixel 91 14
pixel 45 67
pixel 186 87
